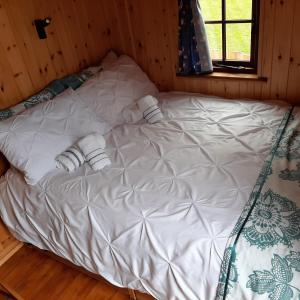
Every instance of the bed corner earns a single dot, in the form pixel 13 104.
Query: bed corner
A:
pixel 3 164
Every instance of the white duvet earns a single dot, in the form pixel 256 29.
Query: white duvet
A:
pixel 157 220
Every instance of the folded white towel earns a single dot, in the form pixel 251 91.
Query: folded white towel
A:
pixel 92 147
pixel 70 160
pixel 151 111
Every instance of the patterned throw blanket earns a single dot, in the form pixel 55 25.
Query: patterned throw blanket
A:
pixel 262 257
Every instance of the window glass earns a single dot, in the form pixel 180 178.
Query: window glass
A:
pixel 234 30
pixel 214 35
pixel 238 9
pixel 211 9
pixel 238 41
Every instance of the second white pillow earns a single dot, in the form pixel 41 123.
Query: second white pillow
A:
pixel 116 87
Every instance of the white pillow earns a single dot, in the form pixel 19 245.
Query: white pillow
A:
pixel 110 58
pixel 116 87
pixel 31 140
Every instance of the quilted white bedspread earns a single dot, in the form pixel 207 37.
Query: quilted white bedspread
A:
pixel 158 219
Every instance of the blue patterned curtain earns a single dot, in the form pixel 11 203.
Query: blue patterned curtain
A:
pixel 194 56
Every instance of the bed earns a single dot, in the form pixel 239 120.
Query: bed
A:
pixel 159 219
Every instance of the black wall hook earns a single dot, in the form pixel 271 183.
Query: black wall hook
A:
pixel 40 25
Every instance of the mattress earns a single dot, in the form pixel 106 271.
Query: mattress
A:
pixel 158 219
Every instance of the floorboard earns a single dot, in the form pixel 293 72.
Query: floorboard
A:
pixel 35 276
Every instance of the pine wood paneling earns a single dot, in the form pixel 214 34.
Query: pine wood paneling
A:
pixel 153 28
pixel 267 37
pixel 79 35
pixel 282 48
pixel 82 31
pixel 294 68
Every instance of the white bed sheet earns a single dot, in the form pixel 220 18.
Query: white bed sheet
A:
pixel 157 220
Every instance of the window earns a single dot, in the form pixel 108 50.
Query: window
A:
pixel 232 31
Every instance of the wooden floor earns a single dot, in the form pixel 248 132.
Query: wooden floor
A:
pixel 35 276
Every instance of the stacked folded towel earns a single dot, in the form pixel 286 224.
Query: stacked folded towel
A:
pixel 151 111
pixel 71 159
pixel 93 148
pixel 89 149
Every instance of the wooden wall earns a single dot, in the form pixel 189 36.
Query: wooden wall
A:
pixel 83 30
pixel 80 33
pixel 147 30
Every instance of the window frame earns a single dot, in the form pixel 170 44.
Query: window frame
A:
pixel 239 66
